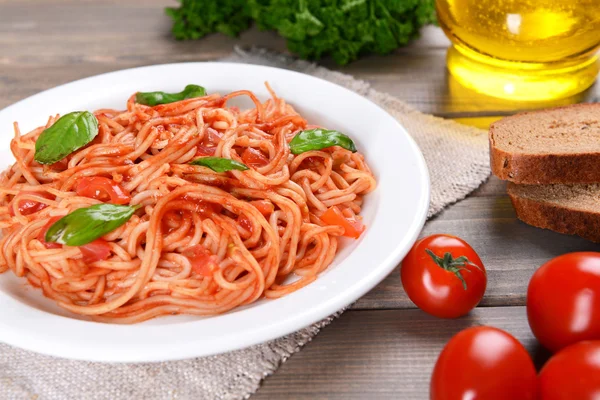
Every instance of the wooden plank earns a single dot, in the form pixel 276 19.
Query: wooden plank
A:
pixel 511 251
pixel 381 355
pixel 421 78
pixel 492 187
pixel 425 90
pixel 74 32
pixel 61 40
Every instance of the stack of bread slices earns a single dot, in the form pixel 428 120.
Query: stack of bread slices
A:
pixel 551 160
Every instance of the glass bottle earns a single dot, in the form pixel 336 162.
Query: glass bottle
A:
pixel 522 49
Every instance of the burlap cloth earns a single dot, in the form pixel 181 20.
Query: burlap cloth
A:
pixel 457 157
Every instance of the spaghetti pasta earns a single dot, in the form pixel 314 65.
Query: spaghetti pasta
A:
pixel 199 241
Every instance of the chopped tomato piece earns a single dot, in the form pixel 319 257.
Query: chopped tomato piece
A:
pixel 352 227
pixel 254 158
pixel 103 189
pixel 214 207
pixel 171 220
pixel 265 207
pixel 28 207
pixel 202 260
pixel 245 223
pixel 204 208
pixel 206 150
pixel 94 251
pixel 212 137
pixel 42 235
pixel 312 162
pixel 60 165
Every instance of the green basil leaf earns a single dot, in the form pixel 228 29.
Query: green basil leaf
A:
pixel 317 139
pixel 155 98
pixel 219 164
pixel 85 225
pixel 71 132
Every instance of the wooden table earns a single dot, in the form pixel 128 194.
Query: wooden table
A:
pixel 383 347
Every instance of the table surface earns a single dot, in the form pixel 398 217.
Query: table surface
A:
pixel 383 347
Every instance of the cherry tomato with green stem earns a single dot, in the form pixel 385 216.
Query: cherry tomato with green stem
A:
pixel 444 276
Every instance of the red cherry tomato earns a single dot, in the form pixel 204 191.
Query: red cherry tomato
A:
pixel 563 300
pixel 102 189
pixel 254 158
pixel 202 260
pixel 42 235
pixel 572 374
pixel 28 206
pixel 443 276
pixel 483 363
pixel 352 226
pixel 94 251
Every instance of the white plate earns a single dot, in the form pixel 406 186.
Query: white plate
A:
pixel 394 215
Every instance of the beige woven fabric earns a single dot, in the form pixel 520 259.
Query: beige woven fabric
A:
pixel 457 157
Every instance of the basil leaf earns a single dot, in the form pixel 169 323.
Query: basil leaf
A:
pixel 317 139
pixel 155 98
pixel 71 132
pixel 85 225
pixel 219 164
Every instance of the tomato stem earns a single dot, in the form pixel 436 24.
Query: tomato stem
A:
pixel 454 265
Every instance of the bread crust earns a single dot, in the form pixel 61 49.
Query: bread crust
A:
pixel 530 169
pixel 550 216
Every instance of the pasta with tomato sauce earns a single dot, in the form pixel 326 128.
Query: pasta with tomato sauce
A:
pixel 179 204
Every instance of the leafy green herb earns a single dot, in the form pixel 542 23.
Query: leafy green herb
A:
pixel 155 98
pixel 317 139
pixel 344 29
pixel 85 225
pixel 454 265
pixel 219 164
pixel 198 18
pixel 71 132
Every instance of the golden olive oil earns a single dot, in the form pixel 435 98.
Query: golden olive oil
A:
pixel 523 49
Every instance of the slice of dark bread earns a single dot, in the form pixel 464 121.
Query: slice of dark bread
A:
pixel 571 209
pixel 558 145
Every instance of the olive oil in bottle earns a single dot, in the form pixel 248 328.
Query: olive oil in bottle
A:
pixel 522 49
